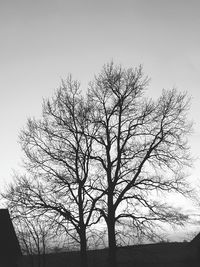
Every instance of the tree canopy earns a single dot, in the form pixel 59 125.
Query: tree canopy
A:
pixel 109 153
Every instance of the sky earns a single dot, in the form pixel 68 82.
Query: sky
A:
pixel 42 41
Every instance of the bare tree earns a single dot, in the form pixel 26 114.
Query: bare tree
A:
pixel 140 150
pixel 35 235
pixel 113 154
pixel 57 159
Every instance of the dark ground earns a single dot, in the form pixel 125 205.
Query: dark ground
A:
pixel 162 255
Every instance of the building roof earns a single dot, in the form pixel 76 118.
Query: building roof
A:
pixel 9 245
pixel 196 240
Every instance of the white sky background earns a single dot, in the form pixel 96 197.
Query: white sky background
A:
pixel 42 41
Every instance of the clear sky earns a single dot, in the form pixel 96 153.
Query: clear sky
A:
pixel 42 41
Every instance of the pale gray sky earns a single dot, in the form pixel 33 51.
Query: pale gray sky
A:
pixel 42 41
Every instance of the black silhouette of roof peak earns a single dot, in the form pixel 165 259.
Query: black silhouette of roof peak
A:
pixel 9 245
pixel 196 240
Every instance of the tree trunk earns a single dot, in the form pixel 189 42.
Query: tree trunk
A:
pixel 39 256
pixel 82 230
pixel 84 260
pixel 44 253
pixel 111 238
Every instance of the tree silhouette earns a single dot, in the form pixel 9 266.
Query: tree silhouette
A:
pixel 111 154
pixel 140 149
pixel 34 234
pixel 58 178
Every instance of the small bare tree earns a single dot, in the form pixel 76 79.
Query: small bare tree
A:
pixel 35 235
